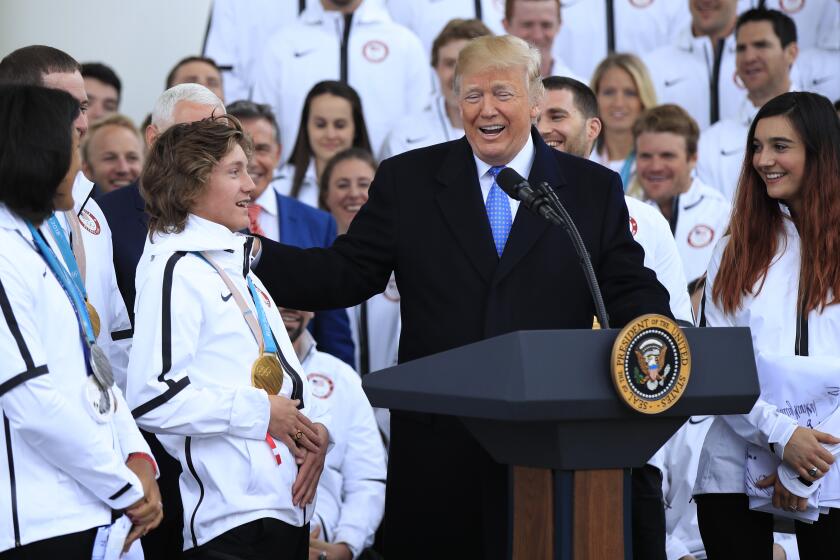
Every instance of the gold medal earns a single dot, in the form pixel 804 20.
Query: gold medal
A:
pixel 94 319
pixel 267 374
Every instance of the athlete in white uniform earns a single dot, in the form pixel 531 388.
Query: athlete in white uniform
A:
pixel 61 484
pixel 440 121
pixel 568 121
pixel 382 60
pixel 351 493
pixel 236 36
pixel 640 27
pixel 703 52
pixel 665 140
pixel 763 63
pixel 427 18
pixel 817 21
pixel 537 23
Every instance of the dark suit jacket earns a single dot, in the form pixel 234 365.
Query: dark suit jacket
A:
pixel 300 225
pixel 426 220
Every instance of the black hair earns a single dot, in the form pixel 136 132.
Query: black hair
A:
pixel 783 25
pixel 104 74
pixel 302 152
pixel 245 110
pixel 171 76
pixel 583 96
pixel 29 65
pixel 36 147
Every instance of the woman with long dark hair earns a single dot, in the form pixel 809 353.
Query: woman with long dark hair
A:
pixel 73 453
pixel 331 121
pixel 778 273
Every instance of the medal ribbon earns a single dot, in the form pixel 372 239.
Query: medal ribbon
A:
pixel 68 284
pixel 256 329
pixel 67 254
pixel 268 338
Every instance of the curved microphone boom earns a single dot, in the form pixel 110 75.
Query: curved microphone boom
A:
pixel 545 202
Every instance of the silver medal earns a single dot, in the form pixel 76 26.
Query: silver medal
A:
pixel 104 376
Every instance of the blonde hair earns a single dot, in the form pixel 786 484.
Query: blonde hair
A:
pixel 633 65
pixel 111 120
pixel 501 52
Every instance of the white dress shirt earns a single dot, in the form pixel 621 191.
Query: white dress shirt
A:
pixel 269 214
pixel 521 163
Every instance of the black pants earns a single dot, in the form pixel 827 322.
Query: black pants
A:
pixel 167 541
pixel 648 510
pixel 75 546
pixel 263 539
pixel 730 529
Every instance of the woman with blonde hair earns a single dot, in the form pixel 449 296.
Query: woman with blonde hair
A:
pixel 778 273
pixel 623 87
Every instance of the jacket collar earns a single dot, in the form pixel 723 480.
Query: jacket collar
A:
pixel 11 221
pixel 203 235
pixel 369 11
pixel 686 41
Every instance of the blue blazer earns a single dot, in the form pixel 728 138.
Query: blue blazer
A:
pixel 300 225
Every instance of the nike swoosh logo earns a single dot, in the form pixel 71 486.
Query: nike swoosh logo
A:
pixel 299 54
pixel 729 152
pixel 669 83
pixel 230 295
pixel 693 421
pixel 818 81
pixel 45 273
pixel 414 140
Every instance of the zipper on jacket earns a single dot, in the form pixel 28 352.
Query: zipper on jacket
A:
pixel 477 16
pixel 12 483
pixel 297 383
pixel 191 467
pixel 610 27
pixel 714 86
pixel 345 40
pixel 801 344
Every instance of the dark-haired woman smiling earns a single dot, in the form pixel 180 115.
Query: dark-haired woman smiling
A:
pixel 66 429
pixel 778 272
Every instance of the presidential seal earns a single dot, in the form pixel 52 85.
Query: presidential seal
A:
pixel 650 364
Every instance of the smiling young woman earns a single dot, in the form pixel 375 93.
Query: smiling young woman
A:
pixel 778 272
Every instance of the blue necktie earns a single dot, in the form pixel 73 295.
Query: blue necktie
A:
pixel 498 210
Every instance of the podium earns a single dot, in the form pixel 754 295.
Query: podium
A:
pixel 551 393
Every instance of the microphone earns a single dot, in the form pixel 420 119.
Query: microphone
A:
pixel 518 188
pixel 545 202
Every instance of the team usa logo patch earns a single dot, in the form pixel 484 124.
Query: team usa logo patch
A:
pixel 634 226
pixel 89 222
pixel 791 6
pixel 651 363
pixel 701 236
pixel 375 51
pixel 641 3
pixel 320 385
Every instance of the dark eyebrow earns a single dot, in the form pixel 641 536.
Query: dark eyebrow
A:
pixel 781 139
pixel 557 111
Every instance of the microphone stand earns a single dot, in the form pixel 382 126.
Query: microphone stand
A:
pixel 560 216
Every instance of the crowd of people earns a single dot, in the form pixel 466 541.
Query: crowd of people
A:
pixel 189 306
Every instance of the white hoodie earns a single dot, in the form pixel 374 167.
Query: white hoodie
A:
pixel 189 381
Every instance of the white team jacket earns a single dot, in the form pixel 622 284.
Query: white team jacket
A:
pixel 101 280
pixel 428 127
pixel 427 18
pixel 64 470
pixel 640 27
pixel 351 492
pixel 772 318
pixel 385 64
pixel 677 69
pixel 190 382
pixel 650 230
pixel 677 460
pixel 702 218
pixel 308 189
